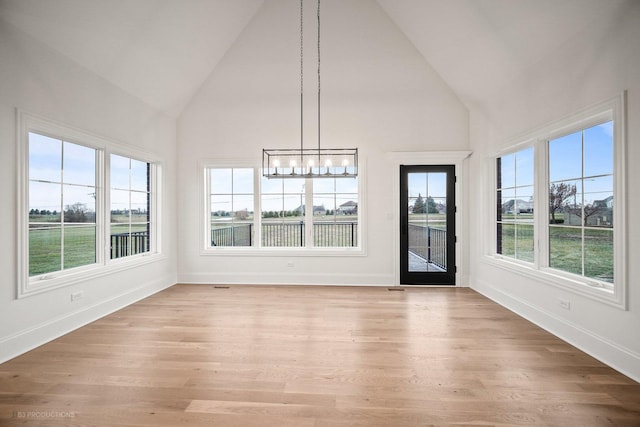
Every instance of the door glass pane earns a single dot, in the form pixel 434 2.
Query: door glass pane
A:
pixel 427 227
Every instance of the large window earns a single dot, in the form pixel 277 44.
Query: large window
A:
pixel 62 205
pixel 283 205
pixel 514 195
pixel 130 197
pixel 80 206
pixel 335 212
pixel 294 212
pixel 231 206
pixel 565 222
pixel 581 202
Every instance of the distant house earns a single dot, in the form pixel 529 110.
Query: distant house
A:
pixel 348 208
pixel 597 214
pixel 516 206
pixel 604 203
pixel 601 213
pixel 316 209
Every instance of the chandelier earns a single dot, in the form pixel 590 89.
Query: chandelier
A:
pixel 309 162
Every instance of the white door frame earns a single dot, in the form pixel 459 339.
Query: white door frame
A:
pixel 456 158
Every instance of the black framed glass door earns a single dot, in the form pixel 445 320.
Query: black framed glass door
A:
pixel 427 225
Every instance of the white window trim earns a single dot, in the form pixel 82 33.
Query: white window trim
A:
pixel 257 250
pixel 26 286
pixel 614 295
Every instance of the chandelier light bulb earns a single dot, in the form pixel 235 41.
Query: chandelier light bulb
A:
pixel 328 164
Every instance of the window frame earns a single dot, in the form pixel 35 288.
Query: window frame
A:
pixel 154 212
pixel 612 294
pixel 63 224
pixel 207 204
pixel 514 150
pixel 27 285
pixel 257 249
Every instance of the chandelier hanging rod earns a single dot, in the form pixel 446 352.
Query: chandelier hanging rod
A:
pixel 301 163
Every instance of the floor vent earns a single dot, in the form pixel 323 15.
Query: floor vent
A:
pixel 396 289
pixel 221 287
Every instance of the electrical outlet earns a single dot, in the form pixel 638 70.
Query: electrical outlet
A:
pixel 76 295
pixel 566 304
pixel 290 264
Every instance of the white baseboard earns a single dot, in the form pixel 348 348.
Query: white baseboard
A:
pixel 223 278
pixel 619 358
pixel 28 339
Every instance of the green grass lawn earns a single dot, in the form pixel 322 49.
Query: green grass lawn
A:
pixel 565 249
pixel 517 241
pixel 46 243
pixel 45 248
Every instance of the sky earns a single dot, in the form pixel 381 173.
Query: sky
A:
pixel 566 154
pixel 431 184
pixel 63 173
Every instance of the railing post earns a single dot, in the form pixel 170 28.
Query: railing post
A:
pixel 352 236
pixel 428 244
pixel 301 233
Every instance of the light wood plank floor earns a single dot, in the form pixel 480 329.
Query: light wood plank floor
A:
pixel 313 356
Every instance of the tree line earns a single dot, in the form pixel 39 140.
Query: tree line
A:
pixel 420 206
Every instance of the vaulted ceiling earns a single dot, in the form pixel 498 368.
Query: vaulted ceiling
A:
pixel 161 51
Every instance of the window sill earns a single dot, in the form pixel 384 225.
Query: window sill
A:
pixel 56 280
pixel 283 252
pixel 589 288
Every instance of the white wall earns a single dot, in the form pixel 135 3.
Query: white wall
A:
pixel 596 65
pixel 38 80
pixel 378 94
